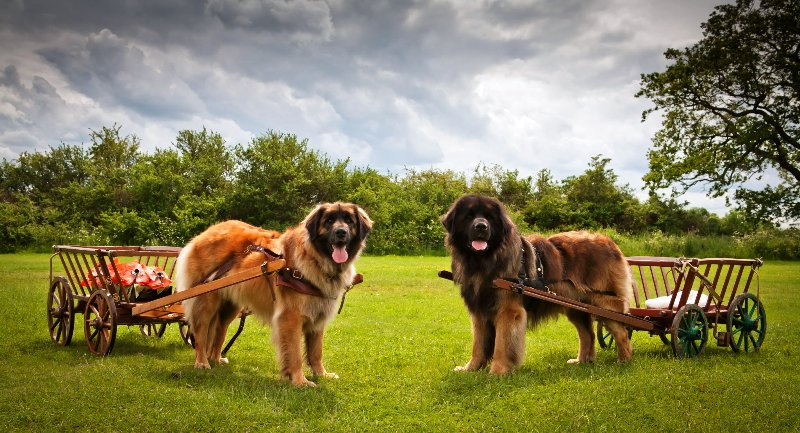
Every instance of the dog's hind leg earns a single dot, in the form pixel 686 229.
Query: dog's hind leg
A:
pixel 219 326
pixel 583 324
pixel 621 339
pixel 619 331
pixel 199 327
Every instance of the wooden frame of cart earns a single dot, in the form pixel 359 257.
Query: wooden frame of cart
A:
pixel 90 286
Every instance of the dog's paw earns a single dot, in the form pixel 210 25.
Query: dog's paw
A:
pixel 303 383
pixel 573 361
pixel 202 366
pixel 223 361
pixel 499 371
pixel 461 368
pixel 330 375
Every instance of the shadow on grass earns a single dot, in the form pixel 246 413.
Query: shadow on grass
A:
pixel 257 382
pixel 541 370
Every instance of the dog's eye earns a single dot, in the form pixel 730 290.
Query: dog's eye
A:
pixel 347 219
pixel 330 220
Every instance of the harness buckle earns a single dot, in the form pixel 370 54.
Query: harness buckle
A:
pixel 296 274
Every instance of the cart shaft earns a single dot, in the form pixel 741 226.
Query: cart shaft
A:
pixel 264 269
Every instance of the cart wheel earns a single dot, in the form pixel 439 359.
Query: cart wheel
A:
pixel 605 338
pixel 747 323
pixel 153 329
pixel 183 327
pixel 60 312
pixel 689 331
pixel 100 323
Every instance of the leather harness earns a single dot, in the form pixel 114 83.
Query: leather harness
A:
pixel 293 279
pixel 540 282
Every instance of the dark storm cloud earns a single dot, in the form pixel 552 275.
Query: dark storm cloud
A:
pixel 111 70
pixel 396 83
pixel 309 19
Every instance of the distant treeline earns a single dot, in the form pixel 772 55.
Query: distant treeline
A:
pixel 111 193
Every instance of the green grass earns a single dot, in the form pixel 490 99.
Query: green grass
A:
pixel 394 346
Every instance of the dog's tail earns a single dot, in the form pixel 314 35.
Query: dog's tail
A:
pixel 183 278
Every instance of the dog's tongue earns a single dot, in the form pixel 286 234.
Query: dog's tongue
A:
pixel 339 254
pixel 479 245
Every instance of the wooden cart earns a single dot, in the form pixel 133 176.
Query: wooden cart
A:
pixel 696 296
pixel 91 286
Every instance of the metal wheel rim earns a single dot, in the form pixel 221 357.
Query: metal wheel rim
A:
pixel 604 337
pixel 186 334
pixel 689 332
pixel 60 312
pixel 747 323
pixel 100 323
pixel 155 330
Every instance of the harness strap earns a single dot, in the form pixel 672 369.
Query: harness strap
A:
pixel 356 280
pixel 271 256
pixel 538 282
pixel 293 279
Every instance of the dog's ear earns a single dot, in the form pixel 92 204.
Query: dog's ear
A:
pixel 449 219
pixel 364 223
pixel 312 222
pixel 504 220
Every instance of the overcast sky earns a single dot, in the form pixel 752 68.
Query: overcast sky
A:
pixel 527 85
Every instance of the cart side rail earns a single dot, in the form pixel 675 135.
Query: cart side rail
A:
pixel 654 277
pixel 79 263
pixel 711 283
pixel 723 279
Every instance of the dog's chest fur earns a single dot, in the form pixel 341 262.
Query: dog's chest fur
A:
pixel 474 272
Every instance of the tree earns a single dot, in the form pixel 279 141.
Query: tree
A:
pixel 112 157
pixel 278 179
pixel 595 196
pixel 505 185
pixel 731 107
pixel 208 164
pixel 548 210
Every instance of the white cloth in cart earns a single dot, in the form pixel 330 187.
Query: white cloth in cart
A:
pixel 662 302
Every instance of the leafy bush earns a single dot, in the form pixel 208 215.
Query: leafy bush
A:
pixel 111 193
pixel 771 244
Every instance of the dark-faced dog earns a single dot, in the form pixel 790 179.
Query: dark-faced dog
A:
pixel 484 244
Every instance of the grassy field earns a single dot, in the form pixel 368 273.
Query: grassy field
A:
pixel 394 347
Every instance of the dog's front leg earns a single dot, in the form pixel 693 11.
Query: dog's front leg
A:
pixel 314 353
pixel 288 330
pixel 481 342
pixel 509 348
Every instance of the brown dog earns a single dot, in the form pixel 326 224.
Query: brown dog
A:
pixel 320 251
pixel 484 244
